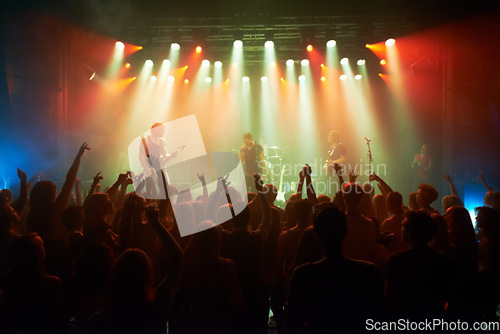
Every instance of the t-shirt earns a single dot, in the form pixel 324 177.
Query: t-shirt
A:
pixel 251 158
pixel 424 163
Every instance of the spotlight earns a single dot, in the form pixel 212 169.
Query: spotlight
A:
pixel 153 78
pixel 383 62
pixel 127 65
pixel 322 65
pixel 238 43
pixel 119 45
pixel 269 44
pixel 302 77
pixel 186 81
pixel 344 61
pixel 171 78
pixel 343 77
pixel 357 77
pixel 205 62
pixel 92 76
pixel 208 80
pixel 245 79
pixel 148 63
pixel 218 64
pixel 175 46
pixel 199 49
pixel 361 62
pixel 390 42
pixel 304 62
pixel 166 62
pixel 309 48
pixel 323 79
pixel 263 79
pixel 331 43
pixel 290 62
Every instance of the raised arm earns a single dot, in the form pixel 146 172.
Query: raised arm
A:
pixel 264 204
pixel 63 197
pixel 384 187
pixel 483 181
pixel 114 188
pixel 78 193
pixel 22 200
pixel 301 183
pixel 311 194
pixel 166 290
pixel 448 179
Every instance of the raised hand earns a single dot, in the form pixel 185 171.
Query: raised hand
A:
pixel 22 175
pixel 77 181
pixel 82 149
pixel 258 182
pixel 201 177
pixel 123 177
pixel 447 177
pixel 97 178
pixel 307 170
pixel 338 168
pixel 152 213
pixel 374 177
pixel 352 176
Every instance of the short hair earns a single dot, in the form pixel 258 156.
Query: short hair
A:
pixel 421 228
pixel 335 135
pixel 353 194
pixel 156 124
pixel 492 199
pixel 330 224
pixel 394 200
pixel 242 218
pixel 247 135
pixel 428 193
pixel 451 200
pixel 303 210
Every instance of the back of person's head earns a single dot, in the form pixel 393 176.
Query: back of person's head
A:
pixel 93 267
pixel 303 212
pixel 251 196
pixel 353 194
pixel 441 241
pixel 97 206
pixel 324 198
pixel 270 191
pixel 451 200
pixel 330 226
pixel 43 195
pixel 488 223
pixel 460 227
pixel 293 197
pixel 412 202
pixel 27 255
pixel 310 249
pixel 8 218
pixel 131 282
pixel 394 202
pixel 379 207
pixel 492 199
pixel 242 219
pixel 290 218
pixel 426 195
pixel 6 195
pixel 418 228
pixel 72 218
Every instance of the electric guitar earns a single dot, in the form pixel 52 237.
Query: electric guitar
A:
pixel 281 193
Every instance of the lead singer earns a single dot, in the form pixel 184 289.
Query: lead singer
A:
pixel 252 157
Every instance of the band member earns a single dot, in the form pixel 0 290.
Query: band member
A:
pixel 336 153
pixel 422 164
pixel 154 147
pixel 252 157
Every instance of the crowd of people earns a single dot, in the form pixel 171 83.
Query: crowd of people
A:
pixel 114 262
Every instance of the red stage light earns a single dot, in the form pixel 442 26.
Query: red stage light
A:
pixel 383 62
pixel 127 65
pixel 198 49
pixel 309 48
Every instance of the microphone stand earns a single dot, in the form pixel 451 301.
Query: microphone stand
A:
pixel 370 158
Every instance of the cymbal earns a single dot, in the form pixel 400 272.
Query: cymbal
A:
pixel 274 147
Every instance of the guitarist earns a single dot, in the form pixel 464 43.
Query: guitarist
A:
pixel 154 146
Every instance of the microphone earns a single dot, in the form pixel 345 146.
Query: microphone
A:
pixel 368 139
